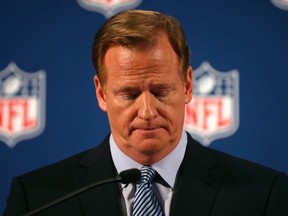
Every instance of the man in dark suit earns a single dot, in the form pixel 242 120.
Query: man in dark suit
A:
pixel 143 81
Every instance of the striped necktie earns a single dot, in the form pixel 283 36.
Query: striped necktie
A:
pixel 145 201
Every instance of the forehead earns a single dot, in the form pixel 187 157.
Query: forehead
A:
pixel 120 58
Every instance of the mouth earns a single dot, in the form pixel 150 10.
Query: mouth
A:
pixel 148 130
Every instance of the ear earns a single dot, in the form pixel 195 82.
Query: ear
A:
pixel 100 94
pixel 189 86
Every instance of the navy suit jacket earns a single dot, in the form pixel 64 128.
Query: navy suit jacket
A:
pixel 208 183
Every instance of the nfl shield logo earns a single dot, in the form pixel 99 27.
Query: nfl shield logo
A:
pixel 213 112
pixel 109 7
pixel 22 104
pixel 282 4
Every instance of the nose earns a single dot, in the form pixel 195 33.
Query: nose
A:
pixel 147 107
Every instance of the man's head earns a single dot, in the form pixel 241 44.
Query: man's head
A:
pixel 143 83
pixel 136 28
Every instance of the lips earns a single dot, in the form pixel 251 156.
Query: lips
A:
pixel 147 131
pixel 145 127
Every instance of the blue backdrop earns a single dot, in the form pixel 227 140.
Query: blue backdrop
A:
pixel 56 36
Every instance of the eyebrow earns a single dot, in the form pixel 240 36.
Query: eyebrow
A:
pixel 126 89
pixel 135 88
pixel 161 86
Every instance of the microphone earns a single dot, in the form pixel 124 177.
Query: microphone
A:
pixel 125 177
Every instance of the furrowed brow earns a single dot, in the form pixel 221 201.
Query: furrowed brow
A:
pixel 126 89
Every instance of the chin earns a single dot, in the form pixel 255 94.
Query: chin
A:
pixel 151 146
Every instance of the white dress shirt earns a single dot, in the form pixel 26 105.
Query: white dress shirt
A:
pixel 167 168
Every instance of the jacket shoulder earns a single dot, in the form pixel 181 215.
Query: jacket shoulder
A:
pixel 235 166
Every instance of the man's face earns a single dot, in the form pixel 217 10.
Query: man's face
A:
pixel 144 95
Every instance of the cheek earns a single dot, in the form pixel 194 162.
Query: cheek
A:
pixel 174 112
pixel 120 114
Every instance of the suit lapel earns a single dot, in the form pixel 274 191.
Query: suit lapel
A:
pixel 198 182
pixel 97 166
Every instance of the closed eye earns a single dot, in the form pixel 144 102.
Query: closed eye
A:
pixel 161 94
pixel 129 96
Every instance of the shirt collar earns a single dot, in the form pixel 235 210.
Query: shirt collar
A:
pixel 167 168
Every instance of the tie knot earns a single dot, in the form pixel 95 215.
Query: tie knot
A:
pixel 147 174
